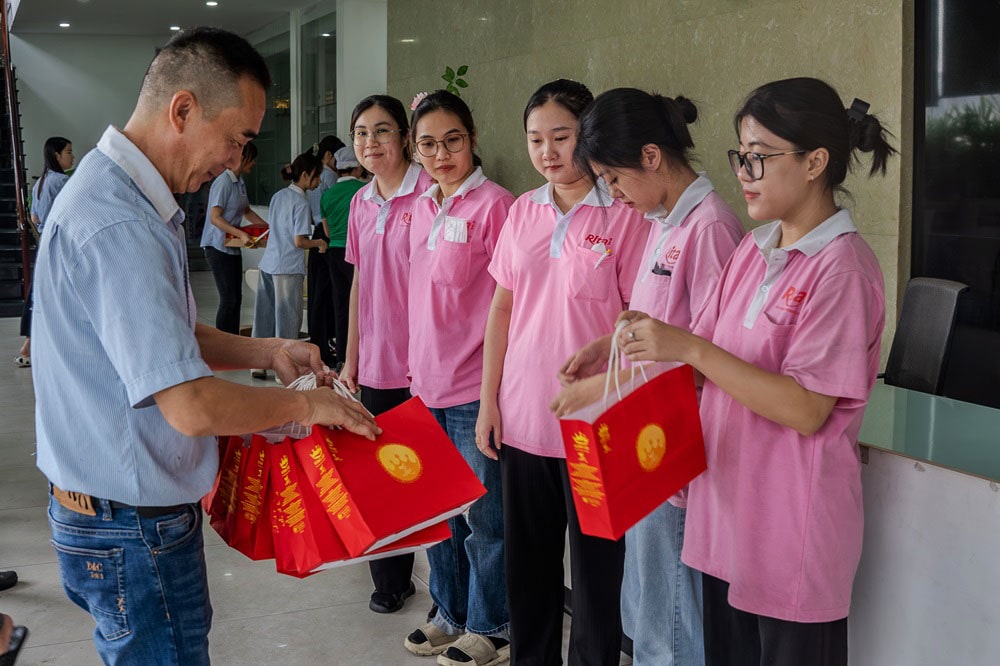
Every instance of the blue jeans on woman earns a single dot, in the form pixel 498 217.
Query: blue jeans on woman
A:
pixel 142 580
pixel 661 596
pixel 468 581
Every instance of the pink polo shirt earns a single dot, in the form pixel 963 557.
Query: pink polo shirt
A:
pixel 779 515
pixel 685 254
pixel 378 244
pixel 563 299
pixel 450 289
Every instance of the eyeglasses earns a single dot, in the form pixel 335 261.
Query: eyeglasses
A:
pixel 382 135
pixel 754 162
pixel 453 143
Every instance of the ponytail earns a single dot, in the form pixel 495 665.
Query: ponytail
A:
pixel 304 163
pixel 810 114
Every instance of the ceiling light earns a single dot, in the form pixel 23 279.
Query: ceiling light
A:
pixel 211 3
pixel 407 41
pixel 175 27
pixel 64 25
pixel 325 34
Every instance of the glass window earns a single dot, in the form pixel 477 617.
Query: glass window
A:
pixel 274 142
pixel 956 198
pixel 319 77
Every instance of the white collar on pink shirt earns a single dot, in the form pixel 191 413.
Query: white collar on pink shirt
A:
pixel 406 187
pixel 776 258
pixel 475 179
pixel 143 173
pixel 838 224
pixel 690 198
pixel 597 197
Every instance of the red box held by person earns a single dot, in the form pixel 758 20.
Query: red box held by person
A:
pixel 636 454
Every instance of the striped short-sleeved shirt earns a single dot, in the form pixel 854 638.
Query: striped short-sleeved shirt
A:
pixel 114 324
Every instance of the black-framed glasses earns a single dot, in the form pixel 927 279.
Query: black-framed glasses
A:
pixel 754 162
pixel 382 135
pixel 453 143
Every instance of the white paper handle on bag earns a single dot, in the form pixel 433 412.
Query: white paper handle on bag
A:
pixel 306 382
pixel 615 364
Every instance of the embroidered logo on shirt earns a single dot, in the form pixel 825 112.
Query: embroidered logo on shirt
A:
pixel 673 254
pixel 470 224
pixel 595 239
pixel 406 219
pixel 791 300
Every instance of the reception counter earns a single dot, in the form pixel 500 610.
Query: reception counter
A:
pixel 928 587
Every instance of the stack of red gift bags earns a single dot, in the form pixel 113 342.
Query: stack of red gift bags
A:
pixel 332 497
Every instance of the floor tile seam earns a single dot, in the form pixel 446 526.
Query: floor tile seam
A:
pixel 241 618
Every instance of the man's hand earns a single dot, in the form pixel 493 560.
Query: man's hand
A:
pixel 586 362
pixel 329 409
pixel 293 358
pixel 577 395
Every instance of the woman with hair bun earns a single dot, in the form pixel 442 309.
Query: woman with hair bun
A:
pixel 640 145
pixel 788 348
pixel 278 309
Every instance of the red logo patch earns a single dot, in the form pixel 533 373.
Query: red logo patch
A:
pixel 673 254
pixel 470 225
pixel 406 219
pixel 792 299
pixel 595 239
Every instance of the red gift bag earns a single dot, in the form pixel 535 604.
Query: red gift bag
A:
pixel 303 537
pixel 224 499
pixel 251 533
pixel 410 478
pixel 636 454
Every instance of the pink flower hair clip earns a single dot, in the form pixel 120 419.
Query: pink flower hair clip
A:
pixel 417 99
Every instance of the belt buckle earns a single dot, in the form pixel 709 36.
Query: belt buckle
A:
pixel 76 502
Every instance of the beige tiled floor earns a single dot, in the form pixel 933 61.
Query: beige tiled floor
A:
pixel 260 617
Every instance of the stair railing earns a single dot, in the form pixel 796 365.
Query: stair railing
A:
pixel 17 159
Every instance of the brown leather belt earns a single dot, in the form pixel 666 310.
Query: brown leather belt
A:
pixel 85 504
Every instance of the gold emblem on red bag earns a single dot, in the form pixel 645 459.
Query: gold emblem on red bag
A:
pixel 401 462
pixel 650 446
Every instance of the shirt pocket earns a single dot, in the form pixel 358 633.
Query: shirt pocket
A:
pixel 588 280
pixel 450 264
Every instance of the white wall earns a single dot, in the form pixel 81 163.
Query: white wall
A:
pixel 362 55
pixel 75 86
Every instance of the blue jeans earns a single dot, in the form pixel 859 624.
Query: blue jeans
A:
pixel 277 310
pixel 142 579
pixel 468 580
pixel 661 596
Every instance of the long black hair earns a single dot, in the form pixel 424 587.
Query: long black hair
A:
pixel 621 121
pixel 50 154
pixel 810 114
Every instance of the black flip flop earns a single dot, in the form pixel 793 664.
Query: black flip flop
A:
pixel 16 642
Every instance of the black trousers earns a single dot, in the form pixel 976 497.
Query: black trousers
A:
pixel 227 269
pixel 341 279
pixel 319 314
pixel 538 507
pixel 737 638
pixel 29 305
pixel 390 574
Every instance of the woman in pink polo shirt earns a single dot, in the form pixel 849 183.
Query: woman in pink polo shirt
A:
pixel 565 262
pixel 456 224
pixel 640 145
pixel 788 346
pixel 378 244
